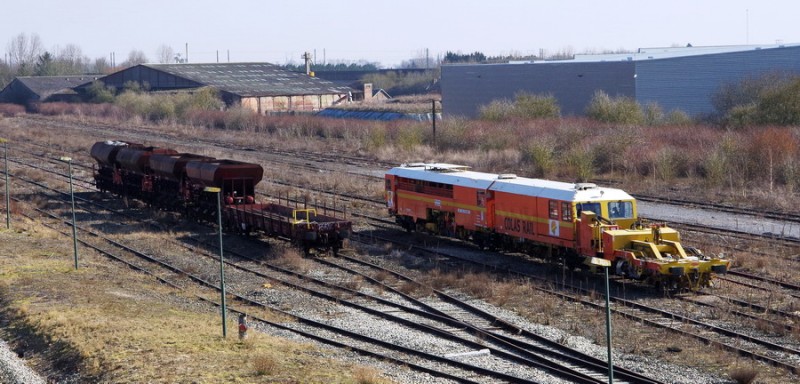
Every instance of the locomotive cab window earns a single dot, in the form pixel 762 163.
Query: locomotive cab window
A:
pixel 388 184
pixel 481 198
pixel 593 207
pixel 553 209
pixel 566 211
pixel 620 210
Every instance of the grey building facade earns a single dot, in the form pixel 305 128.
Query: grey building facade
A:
pixel 674 78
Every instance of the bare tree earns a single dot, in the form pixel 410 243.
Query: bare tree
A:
pixel 71 60
pixel 23 51
pixel 101 65
pixel 165 54
pixel 135 57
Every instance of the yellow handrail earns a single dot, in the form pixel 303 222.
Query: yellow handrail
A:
pixel 307 220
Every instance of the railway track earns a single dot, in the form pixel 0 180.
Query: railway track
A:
pixel 573 374
pixel 171 273
pixel 321 190
pixel 758 348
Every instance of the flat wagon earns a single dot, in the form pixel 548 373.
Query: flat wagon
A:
pixel 304 226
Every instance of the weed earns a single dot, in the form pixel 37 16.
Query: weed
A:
pixel 265 364
pixel 408 287
pixel 292 259
pixel 354 283
pixel 744 375
pixel 364 375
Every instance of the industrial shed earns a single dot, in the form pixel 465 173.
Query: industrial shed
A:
pixel 681 78
pixel 30 89
pixel 263 87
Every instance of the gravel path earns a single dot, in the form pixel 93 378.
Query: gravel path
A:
pixel 13 370
pixel 723 220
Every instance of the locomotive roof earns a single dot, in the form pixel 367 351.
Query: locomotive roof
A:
pixel 460 176
pixel 445 173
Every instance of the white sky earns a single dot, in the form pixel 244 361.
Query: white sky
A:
pixel 390 32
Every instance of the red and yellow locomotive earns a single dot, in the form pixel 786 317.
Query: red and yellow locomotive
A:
pixel 572 222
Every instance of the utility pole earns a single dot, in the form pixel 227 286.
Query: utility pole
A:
pixel 427 59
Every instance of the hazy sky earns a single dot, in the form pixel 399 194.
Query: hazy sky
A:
pixel 389 32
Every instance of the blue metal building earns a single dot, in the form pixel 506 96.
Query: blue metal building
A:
pixel 682 78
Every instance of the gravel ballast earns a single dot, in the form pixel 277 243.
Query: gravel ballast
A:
pixel 13 370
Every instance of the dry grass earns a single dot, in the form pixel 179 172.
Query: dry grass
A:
pixel 642 168
pixel 744 375
pixel 265 364
pixel 293 259
pixel 128 328
pixel 364 375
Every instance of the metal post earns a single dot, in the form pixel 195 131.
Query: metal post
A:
pixel 218 191
pixel 72 197
pixel 608 331
pixel 596 262
pixel 8 200
pixel 433 118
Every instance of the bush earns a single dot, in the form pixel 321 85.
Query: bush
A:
pixel 743 92
pixel 744 375
pixel 171 107
pixel 409 137
pixel 668 164
pixel 11 110
pixel 527 106
pixel 241 118
pixel 620 110
pixel 653 114
pixel 715 168
pixel 265 365
pixel 679 118
pixel 99 93
pixel 742 116
pixel 497 110
pixel 772 99
pixel 542 158
pixel 780 105
pixel 581 164
pixel 524 106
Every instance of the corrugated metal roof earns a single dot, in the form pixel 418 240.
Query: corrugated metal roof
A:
pixel 673 52
pixel 48 85
pixel 252 79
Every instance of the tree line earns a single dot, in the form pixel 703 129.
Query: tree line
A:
pixel 25 55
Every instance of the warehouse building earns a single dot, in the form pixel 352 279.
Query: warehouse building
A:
pixel 683 78
pixel 32 89
pixel 262 87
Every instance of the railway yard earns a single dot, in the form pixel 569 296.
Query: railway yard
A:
pixel 391 306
